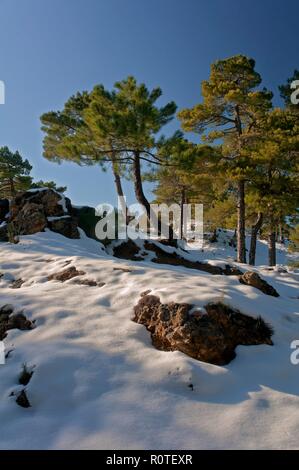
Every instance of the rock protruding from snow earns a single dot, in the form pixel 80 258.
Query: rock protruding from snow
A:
pixel 11 321
pixel 210 337
pixel 33 211
pixel 66 274
pixel 251 278
pixel 130 250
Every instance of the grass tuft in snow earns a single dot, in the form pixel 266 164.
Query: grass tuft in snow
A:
pixel 22 400
pixel 25 375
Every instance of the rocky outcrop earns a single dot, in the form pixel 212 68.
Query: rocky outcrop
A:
pixel 251 278
pixel 209 336
pixel 35 210
pixel 129 250
pixel 28 219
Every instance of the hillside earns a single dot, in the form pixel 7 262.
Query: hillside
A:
pixel 99 383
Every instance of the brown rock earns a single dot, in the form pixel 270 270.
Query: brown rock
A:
pixel 211 337
pixel 66 226
pixel 127 250
pixel 30 211
pixel 29 219
pixel 251 278
pixel 66 274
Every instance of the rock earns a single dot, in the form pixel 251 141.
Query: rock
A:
pixel 11 322
pixel 66 226
pixel 66 274
pixel 163 257
pixel 17 284
pixel 28 219
pixel 33 211
pixel 50 200
pixel 6 310
pixel 146 292
pixel 20 322
pixel 211 337
pixel 124 270
pixel 4 208
pixel 251 278
pixel 87 220
pixel 127 250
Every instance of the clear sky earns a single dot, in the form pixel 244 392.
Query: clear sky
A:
pixel 52 48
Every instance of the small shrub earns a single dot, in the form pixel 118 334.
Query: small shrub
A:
pixel 25 375
pixel 22 400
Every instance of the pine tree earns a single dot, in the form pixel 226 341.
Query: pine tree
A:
pixel 139 120
pixel 14 173
pixel 274 175
pixel 231 104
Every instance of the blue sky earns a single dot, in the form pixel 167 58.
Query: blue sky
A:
pixel 52 48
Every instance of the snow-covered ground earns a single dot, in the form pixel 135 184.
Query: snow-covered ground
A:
pixel 98 382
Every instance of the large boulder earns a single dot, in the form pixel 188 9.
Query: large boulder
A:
pixel 210 337
pixel 251 278
pixel 35 210
pixel 50 200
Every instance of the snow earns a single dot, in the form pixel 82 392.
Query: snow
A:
pixel 98 382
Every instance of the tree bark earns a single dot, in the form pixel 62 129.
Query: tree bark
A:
pixel 138 185
pixel 241 245
pixel 140 196
pixel 119 190
pixel 254 231
pixel 183 201
pixel 12 187
pixel 272 248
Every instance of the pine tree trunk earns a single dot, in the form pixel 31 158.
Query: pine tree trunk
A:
pixel 254 231
pixel 138 185
pixel 272 248
pixel 12 187
pixel 241 245
pixel 140 196
pixel 119 190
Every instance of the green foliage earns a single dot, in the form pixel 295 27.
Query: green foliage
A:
pixel 14 173
pixel 294 240
pixel 48 184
